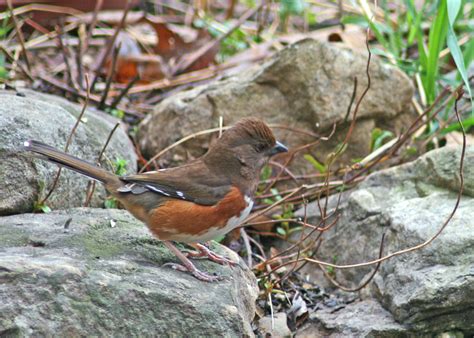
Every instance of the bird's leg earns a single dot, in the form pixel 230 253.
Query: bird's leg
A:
pixel 205 252
pixel 187 265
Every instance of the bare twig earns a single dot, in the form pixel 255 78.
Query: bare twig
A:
pixel 363 284
pixel 91 187
pixel 248 247
pixel 124 92
pixel 12 59
pixel 446 222
pixel 184 139
pixel 65 52
pixel 110 45
pixel 354 94
pixel 68 142
pixel 359 101
pixel 19 33
pixel 42 8
pixel 98 6
pixel 190 59
pixel 110 77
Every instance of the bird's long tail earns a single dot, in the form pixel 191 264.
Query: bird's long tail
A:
pixel 61 158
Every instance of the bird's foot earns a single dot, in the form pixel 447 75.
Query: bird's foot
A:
pixel 206 253
pixel 188 266
pixel 194 271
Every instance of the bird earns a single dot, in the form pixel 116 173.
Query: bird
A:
pixel 193 203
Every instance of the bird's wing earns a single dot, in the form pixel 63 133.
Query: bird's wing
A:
pixel 191 183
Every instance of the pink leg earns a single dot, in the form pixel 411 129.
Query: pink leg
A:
pixel 205 252
pixel 188 266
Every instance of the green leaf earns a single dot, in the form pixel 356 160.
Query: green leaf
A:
pixel 266 173
pixel 268 201
pixel 413 20
pixel 436 40
pixel 117 113
pixel 219 239
pixel 318 166
pixel 281 231
pixel 411 151
pixel 453 45
pixel 310 17
pixel 111 203
pixel 378 136
pixel 467 123
pixel 3 70
pixel 120 166
pixel 469 53
pixel 276 193
pixel 291 7
pixel 453 10
pixel 41 207
pixel 355 20
pixel 44 208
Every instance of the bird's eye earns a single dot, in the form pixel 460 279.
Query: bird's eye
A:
pixel 259 147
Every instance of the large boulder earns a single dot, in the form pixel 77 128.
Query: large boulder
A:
pixel 97 272
pixel 50 119
pixel 307 85
pixel 430 290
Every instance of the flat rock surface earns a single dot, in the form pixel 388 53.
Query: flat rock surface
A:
pixel 97 272
pixel 50 119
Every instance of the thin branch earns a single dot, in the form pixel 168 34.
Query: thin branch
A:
pixel 184 139
pixel 363 284
pixel 359 101
pixel 110 44
pixel 68 142
pixel 354 94
pixel 459 94
pixel 91 187
pixel 98 6
pixel 124 92
pixel 19 33
pixel 65 52
pixel 12 59
pixel 189 60
pixel 248 247
pixel 110 77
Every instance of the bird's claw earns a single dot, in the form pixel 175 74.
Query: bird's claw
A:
pixel 206 253
pixel 195 272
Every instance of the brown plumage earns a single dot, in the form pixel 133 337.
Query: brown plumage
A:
pixel 197 201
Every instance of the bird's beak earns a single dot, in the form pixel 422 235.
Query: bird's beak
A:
pixel 278 148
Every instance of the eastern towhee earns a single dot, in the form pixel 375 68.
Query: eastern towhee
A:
pixel 193 203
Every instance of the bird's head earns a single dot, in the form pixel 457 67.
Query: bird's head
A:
pixel 246 146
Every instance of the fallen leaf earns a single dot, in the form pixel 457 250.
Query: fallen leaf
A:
pixel 132 62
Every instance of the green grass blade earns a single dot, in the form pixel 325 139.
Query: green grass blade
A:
pixel 453 9
pixel 467 123
pixel 436 42
pixel 453 45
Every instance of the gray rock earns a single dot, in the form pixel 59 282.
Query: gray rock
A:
pixel 430 290
pixel 50 119
pixel 274 327
pixel 307 85
pixel 359 319
pixel 94 279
